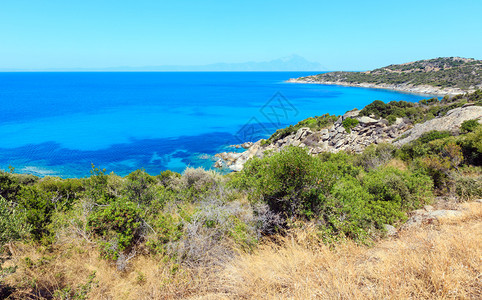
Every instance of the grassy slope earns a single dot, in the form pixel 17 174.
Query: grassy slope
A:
pixel 437 261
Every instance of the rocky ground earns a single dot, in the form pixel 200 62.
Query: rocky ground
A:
pixel 336 138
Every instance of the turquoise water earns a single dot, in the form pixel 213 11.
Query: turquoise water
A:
pixel 59 123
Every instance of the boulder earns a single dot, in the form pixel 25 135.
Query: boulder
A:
pixel 351 114
pixel 218 163
pixel 444 214
pixel 340 143
pixel 391 231
pixel 450 122
pixel 367 120
pixel 246 145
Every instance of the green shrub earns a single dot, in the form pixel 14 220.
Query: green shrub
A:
pixel 97 186
pixel 12 222
pixel 468 187
pixel 375 155
pixel 471 144
pixel 168 228
pixel 166 177
pixel 397 190
pixel 349 123
pixel 469 125
pixel 138 187
pixel 119 226
pixel 440 166
pixel 347 210
pixel 391 119
pixel 433 135
pixel 39 207
pixel 64 191
pixel 396 109
pixel 431 142
pixel 287 181
pixel 9 186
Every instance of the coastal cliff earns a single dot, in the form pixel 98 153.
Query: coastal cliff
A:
pixel 439 76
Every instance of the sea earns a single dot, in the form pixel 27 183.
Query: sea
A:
pixel 62 123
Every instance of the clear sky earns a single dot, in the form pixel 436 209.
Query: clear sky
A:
pixel 341 35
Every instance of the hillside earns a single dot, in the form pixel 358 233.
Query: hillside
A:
pixel 445 75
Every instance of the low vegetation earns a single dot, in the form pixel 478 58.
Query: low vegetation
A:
pixel 288 225
pixel 314 123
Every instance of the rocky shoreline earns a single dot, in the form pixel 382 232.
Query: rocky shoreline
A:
pixel 367 131
pixel 407 88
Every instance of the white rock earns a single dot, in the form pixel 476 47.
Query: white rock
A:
pixel 391 231
pixel 367 120
pixel 444 214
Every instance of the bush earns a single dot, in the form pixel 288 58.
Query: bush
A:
pixel 138 187
pixel 39 208
pixel 119 226
pixel 12 222
pixel 431 142
pixel 210 233
pixel 469 125
pixel 471 145
pixel 9 186
pixel 433 135
pixel 440 166
pixel 347 210
pixel 349 123
pixel 331 189
pixel 166 177
pixel 394 190
pixel 468 187
pixel 197 180
pixel 287 181
pixel 375 156
pixel 97 186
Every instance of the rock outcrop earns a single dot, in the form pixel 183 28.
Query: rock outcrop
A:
pixel 336 138
pixel 450 122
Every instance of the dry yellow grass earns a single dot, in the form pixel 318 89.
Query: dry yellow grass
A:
pixel 438 261
pixel 397 164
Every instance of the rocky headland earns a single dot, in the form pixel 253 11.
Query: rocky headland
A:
pixel 439 76
pixel 366 130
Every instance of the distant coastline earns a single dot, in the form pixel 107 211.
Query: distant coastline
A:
pixel 438 76
pixel 407 88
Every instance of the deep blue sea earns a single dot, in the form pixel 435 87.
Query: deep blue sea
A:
pixel 58 124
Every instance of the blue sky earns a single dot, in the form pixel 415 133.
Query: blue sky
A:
pixel 341 35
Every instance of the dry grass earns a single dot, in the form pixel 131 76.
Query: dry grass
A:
pixel 147 277
pixel 397 164
pixel 437 261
